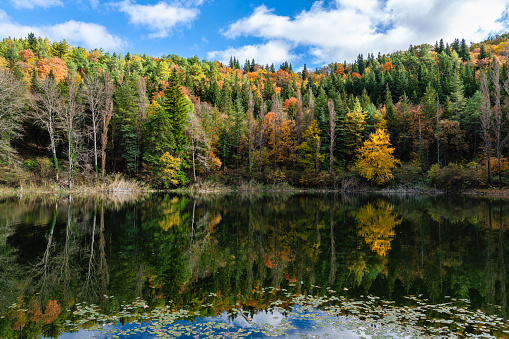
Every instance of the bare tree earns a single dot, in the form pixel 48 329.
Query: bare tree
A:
pixel 278 116
pixel 250 110
pixel 198 138
pixel 331 132
pixel 486 115
pixel 48 105
pixel 94 96
pixel 311 106
pixel 298 117
pixel 70 117
pixel 12 101
pixel 106 115
pixel 261 132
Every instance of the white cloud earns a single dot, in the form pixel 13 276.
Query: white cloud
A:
pixel 160 18
pixel 30 4
pixel 349 27
pixel 271 52
pixel 89 35
pixel 94 4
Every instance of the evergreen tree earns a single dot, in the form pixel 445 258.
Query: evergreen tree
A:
pixel 464 52
pixel 165 140
pixel 482 53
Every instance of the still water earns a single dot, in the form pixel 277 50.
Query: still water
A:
pixel 253 266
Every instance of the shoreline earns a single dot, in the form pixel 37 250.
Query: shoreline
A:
pixel 493 193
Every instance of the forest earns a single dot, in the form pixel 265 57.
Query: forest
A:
pixel 430 116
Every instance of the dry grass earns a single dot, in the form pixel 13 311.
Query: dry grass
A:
pixel 118 183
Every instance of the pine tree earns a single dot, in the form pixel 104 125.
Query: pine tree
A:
pixel 165 140
pixel 482 53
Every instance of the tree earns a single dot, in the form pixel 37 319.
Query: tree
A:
pixel 332 132
pixel 457 95
pixel 141 91
pixel 355 121
pixel 309 150
pixel 94 95
pixel 482 52
pixel 299 115
pixel 12 101
pixel 261 133
pixel 71 114
pixel 236 128
pixel 165 133
pixel 403 113
pixel 375 159
pixel 497 113
pixel 250 111
pixel 200 144
pixel 276 117
pixel 486 117
pixel 124 124
pixel 48 106
pixel 106 114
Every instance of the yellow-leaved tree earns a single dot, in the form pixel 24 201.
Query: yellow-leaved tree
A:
pixel 170 167
pixel 375 160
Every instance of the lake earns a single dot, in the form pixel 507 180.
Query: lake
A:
pixel 253 266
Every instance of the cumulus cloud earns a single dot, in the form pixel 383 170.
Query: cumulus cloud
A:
pixel 30 4
pixel 267 53
pixel 346 28
pixel 160 18
pixel 89 35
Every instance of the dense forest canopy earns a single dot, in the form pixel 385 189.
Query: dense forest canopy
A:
pixel 431 113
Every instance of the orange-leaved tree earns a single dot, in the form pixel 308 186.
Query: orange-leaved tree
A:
pixel 375 159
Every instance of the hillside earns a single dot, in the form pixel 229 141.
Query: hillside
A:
pixel 415 117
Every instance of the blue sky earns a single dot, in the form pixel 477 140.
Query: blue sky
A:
pixel 315 33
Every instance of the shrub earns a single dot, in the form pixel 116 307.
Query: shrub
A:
pixel 453 177
pixel 409 174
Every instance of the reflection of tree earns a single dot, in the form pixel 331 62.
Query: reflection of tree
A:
pixel 377 224
pixel 8 266
pixel 163 243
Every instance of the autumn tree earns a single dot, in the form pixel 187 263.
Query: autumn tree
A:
pixel 355 121
pixel 309 150
pixel 375 160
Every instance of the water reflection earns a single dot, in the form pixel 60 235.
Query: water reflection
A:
pixel 58 252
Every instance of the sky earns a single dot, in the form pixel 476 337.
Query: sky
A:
pixel 300 32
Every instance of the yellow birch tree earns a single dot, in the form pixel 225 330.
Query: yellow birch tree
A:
pixel 375 159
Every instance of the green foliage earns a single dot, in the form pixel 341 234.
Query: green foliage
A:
pixel 454 177
pixel 164 132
